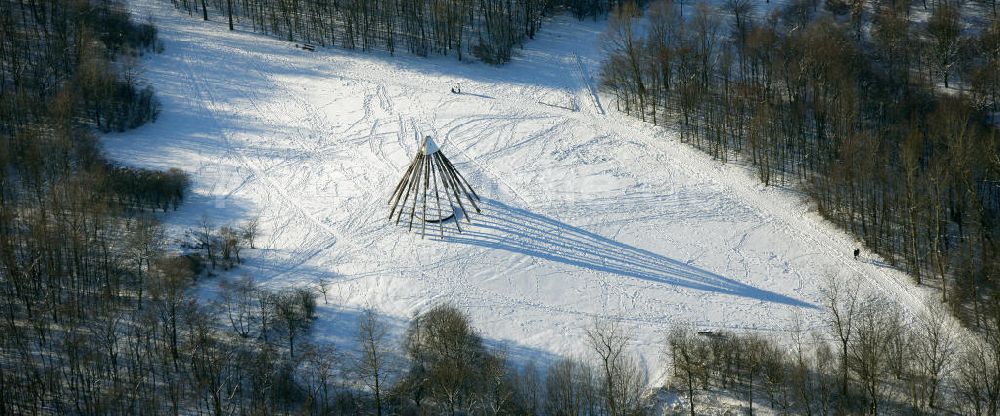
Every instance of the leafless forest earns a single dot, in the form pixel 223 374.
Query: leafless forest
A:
pixel 98 310
pixel 487 29
pixel 879 110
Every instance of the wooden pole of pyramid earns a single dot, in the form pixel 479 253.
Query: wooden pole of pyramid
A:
pixel 429 172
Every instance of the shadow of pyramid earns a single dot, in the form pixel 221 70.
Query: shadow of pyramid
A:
pixel 516 230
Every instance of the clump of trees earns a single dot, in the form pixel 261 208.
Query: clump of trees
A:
pixel 886 128
pixel 869 360
pixel 140 189
pixel 451 371
pixel 486 29
pixel 222 245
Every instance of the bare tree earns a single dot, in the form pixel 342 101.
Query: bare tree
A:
pixel 374 354
pixel 320 364
pixel 230 245
pixel 497 395
pixel 842 302
pixel 876 326
pixel 443 350
pixel 621 39
pixel 240 303
pixel 977 382
pixel 688 364
pixel 294 311
pixel 529 389
pixel 249 231
pixel 623 381
pixel 323 286
pixel 570 389
pixel 935 347
pixel 207 239
pixel 168 289
pixel 943 31
pixel 146 243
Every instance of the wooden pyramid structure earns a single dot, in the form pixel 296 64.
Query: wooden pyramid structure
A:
pixel 431 191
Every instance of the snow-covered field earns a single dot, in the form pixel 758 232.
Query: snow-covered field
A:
pixel 587 214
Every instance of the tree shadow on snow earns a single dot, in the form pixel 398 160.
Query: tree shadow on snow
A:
pixel 516 230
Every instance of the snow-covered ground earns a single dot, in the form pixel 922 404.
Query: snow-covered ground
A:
pixel 587 214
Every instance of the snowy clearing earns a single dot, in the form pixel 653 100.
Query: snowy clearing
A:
pixel 587 213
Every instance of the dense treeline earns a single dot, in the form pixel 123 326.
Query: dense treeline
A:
pixel 881 117
pixel 57 63
pixel 486 29
pixel 75 238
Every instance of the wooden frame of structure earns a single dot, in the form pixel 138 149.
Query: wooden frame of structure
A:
pixel 431 176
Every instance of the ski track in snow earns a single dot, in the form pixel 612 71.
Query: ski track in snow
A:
pixel 588 214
